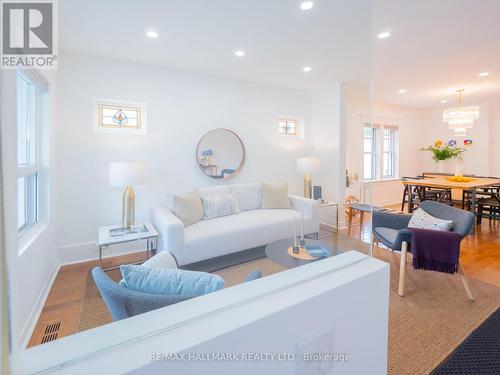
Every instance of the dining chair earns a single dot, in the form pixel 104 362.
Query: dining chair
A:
pixel 488 206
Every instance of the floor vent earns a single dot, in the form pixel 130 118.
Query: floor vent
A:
pixel 51 332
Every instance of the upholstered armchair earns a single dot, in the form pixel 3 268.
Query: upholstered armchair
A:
pixel 123 303
pixel 391 229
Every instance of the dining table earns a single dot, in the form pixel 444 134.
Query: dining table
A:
pixel 472 185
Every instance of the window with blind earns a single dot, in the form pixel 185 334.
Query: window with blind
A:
pixel 31 109
pixel 380 152
pixel 114 116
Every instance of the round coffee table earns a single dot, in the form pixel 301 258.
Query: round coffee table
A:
pixel 277 252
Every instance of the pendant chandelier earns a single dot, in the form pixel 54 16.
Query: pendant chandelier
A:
pixel 461 118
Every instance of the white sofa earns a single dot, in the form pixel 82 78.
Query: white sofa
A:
pixel 252 227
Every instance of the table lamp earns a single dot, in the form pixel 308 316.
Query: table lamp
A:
pixel 307 166
pixel 127 174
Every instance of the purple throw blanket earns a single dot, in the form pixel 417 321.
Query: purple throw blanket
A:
pixel 435 250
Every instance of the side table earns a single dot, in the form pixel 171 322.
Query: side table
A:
pixel 115 234
pixel 331 204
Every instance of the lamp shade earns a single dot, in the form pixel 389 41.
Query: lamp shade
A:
pixel 128 173
pixel 308 165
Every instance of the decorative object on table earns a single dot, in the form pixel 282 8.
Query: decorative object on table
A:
pixel 128 174
pixel 461 118
pixel 444 151
pixel 307 166
pixel 317 251
pixel 295 246
pixel 123 231
pixel 302 242
pixel 317 193
pixel 461 178
pixel 220 154
pixel 467 142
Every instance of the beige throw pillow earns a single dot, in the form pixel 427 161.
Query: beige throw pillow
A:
pixel 188 207
pixel 275 196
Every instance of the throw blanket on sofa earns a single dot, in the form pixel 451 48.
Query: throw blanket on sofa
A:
pixel 435 250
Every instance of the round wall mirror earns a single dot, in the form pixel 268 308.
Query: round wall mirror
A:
pixel 220 153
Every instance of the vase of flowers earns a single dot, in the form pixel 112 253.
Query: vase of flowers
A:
pixel 442 151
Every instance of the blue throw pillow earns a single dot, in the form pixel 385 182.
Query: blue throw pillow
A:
pixel 168 281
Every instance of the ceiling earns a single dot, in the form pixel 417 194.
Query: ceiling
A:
pixel 436 46
pixel 201 35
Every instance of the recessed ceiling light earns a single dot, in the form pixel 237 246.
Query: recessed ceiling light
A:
pixel 152 34
pixel 307 69
pixel 306 5
pixel 484 74
pixel 444 101
pixel 402 91
pixel 239 53
pixel 384 35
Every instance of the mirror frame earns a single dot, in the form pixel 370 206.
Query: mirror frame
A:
pixel 243 157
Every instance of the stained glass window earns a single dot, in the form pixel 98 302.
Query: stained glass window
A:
pixel 117 116
pixel 288 126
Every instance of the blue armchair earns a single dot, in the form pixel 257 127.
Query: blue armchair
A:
pixel 123 303
pixel 392 230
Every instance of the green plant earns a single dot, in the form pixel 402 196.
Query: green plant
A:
pixel 444 151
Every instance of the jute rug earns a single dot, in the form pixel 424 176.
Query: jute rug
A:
pixel 425 326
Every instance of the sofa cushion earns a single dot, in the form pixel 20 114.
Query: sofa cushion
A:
pixel 220 206
pixel 161 260
pixel 168 281
pixel 214 191
pixel 249 195
pixel 275 196
pixel 423 220
pixel 188 207
pixel 249 229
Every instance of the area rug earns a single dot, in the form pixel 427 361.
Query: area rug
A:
pixel 425 326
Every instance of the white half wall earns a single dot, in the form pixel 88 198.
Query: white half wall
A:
pixel 345 297
pixel 180 107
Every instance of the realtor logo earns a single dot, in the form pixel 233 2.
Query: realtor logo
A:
pixel 28 35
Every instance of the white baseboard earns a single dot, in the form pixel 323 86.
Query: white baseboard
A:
pixel 31 322
pixel 88 251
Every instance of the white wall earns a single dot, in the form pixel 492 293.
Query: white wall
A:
pixel 31 272
pixel 411 128
pixel 477 159
pixel 181 106
pixel 495 137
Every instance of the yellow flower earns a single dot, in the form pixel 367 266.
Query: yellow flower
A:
pixel 438 143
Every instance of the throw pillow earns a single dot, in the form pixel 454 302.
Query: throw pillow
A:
pixel 168 281
pixel 275 196
pixel 188 207
pixel 220 206
pixel 423 220
pixel 249 195
pixel 161 260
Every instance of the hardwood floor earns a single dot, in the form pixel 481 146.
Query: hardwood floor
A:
pixel 480 257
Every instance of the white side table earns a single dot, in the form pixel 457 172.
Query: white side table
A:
pixel 331 204
pixel 114 235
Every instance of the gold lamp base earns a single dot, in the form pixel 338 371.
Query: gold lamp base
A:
pixel 128 208
pixel 307 186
